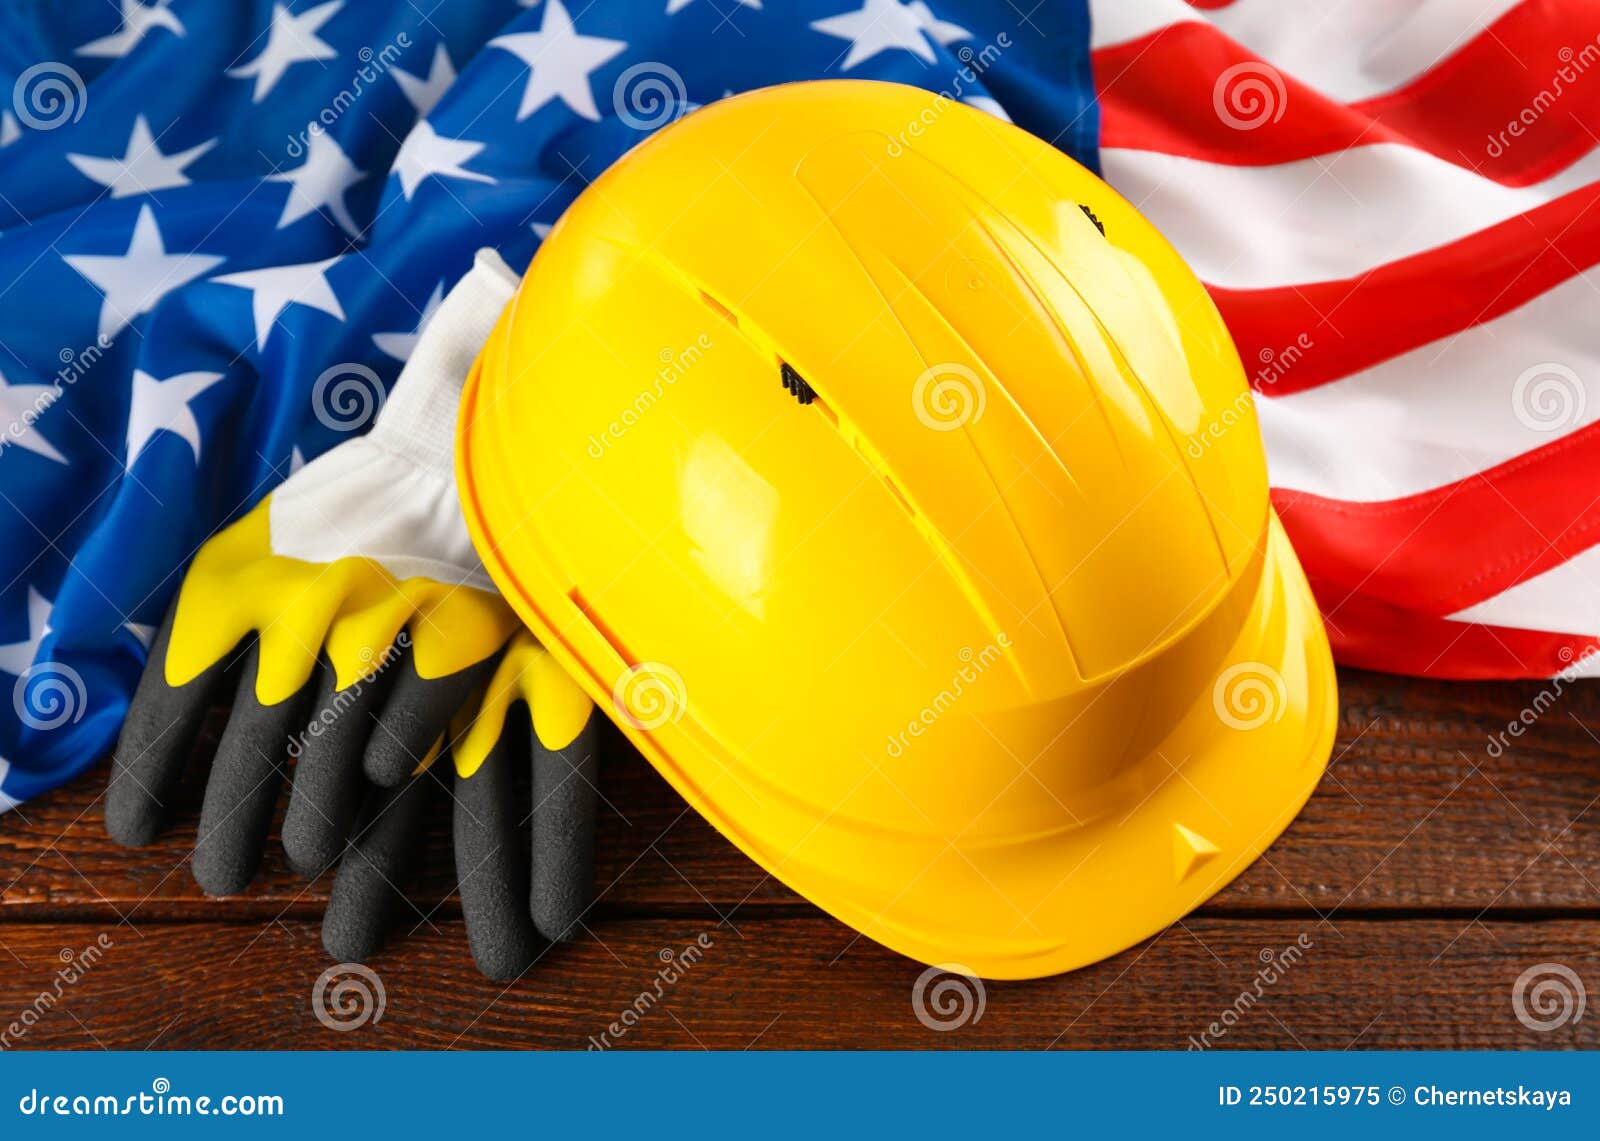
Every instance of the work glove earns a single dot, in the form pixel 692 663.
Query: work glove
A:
pixel 365 636
pixel 513 898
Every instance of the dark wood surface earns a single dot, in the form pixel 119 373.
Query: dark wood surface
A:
pixel 1427 874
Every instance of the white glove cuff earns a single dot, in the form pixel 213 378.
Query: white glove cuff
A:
pixel 390 495
pixel 419 418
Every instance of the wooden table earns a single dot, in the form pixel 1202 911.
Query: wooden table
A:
pixel 1427 874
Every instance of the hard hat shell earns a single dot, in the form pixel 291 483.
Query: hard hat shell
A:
pixel 914 529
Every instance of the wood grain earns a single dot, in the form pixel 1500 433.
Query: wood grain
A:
pixel 798 983
pixel 1415 812
pixel 1432 868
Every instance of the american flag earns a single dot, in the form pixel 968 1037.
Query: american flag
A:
pixel 208 207
pixel 1392 204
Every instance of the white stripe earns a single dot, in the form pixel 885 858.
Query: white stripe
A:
pixel 1320 219
pixel 6 803
pixel 1587 666
pixel 1447 410
pixel 1113 22
pixel 1564 599
pixel 1347 49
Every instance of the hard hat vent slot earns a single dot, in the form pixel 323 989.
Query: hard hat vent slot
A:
pixel 899 496
pixel 719 308
pixel 795 384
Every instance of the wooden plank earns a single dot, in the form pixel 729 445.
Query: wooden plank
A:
pixel 795 983
pixel 1416 811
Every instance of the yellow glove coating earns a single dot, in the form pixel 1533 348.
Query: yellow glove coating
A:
pixel 559 706
pixel 352 607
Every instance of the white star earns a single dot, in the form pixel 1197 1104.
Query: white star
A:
pixel 275 288
pixel 425 93
pixel 21 405
pixel 6 803
pixel 399 345
pixel 426 152
pixel 143 168
pixel 297 459
pixel 163 406
pixel 144 634
pixel 16 657
pixel 10 129
pixel 137 19
pixel 320 181
pixel 541 230
pixel 943 32
pixel 883 24
pixel 290 40
pixel 559 62
pixel 991 106
pixel 676 6
pixel 135 282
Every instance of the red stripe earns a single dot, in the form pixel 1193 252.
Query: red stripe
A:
pixel 1387 574
pixel 1371 634
pixel 1539 61
pixel 1159 93
pixel 1453 547
pixel 1355 324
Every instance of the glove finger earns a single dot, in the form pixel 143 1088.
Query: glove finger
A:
pixel 369 891
pixel 160 732
pixel 415 717
pixel 564 795
pixel 243 788
pixel 491 863
pixel 325 793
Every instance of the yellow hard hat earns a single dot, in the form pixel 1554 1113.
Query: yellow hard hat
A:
pixel 915 529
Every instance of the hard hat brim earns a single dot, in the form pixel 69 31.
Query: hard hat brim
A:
pixel 1225 781
pixel 1221 786
pixel 1235 771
